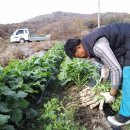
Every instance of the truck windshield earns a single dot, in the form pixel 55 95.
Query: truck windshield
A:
pixel 19 32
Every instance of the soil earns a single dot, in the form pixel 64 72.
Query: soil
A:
pixel 93 119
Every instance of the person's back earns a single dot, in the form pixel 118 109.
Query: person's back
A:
pixel 118 35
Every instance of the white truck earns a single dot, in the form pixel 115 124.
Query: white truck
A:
pixel 23 35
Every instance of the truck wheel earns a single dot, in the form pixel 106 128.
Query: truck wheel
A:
pixel 22 40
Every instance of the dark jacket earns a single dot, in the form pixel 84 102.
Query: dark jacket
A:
pixel 118 35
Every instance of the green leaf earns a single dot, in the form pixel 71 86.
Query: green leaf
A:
pixel 4 119
pixel 27 88
pixel 9 93
pixel 21 94
pixel 17 83
pixel 23 103
pixel 16 115
pixel 45 105
pixel 3 107
pixel 10 127
pixel 49 127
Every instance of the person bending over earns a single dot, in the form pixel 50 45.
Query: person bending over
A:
pixel 110 44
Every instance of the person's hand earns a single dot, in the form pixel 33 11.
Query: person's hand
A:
pixel 104 73
pixel 108 97
pixel 88 98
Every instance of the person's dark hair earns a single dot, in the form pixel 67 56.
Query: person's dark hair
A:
pixel 70 46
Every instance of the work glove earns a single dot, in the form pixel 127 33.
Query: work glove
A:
pixel 104 73
pixel 88 98
pixel 108 97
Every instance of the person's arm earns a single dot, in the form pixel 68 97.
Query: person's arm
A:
pixel 104 52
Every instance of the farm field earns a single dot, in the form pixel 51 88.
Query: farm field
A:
pixel 42 89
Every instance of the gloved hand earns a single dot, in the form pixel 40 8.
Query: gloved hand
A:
pixel 104 73
pixel 108 98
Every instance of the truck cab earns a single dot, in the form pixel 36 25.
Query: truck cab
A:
pixel 23 35
pixel 20 35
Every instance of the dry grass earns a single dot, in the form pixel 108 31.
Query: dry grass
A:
pixel 36 46
pixel 21 51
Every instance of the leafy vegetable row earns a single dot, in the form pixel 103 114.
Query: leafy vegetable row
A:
pixel 77 71
pixel 20 81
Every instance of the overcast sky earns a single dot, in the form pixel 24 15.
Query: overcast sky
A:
pixel 13 11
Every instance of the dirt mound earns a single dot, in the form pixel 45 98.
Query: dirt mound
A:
pixel 92 119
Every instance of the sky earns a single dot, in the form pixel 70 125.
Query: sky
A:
pixel 15 11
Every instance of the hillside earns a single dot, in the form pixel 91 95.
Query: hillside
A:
pixel 62 25
pixel 56 16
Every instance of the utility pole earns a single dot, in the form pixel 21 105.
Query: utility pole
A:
pixel 98 13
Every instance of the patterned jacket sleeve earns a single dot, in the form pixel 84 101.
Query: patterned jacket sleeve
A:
pixel 103 51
